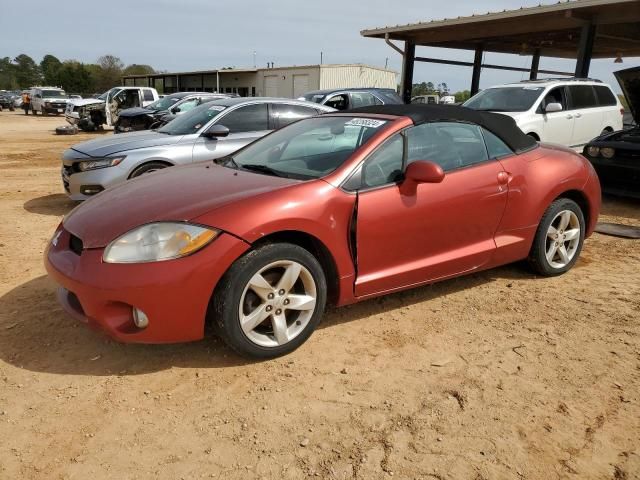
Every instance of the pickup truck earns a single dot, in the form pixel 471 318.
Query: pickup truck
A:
pixel 90 114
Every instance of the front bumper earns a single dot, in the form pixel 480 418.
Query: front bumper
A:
pixel 174 294
pixel 618 175
pixel 77 184
pixel 56 108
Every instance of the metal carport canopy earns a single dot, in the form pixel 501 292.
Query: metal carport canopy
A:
pixel 580 29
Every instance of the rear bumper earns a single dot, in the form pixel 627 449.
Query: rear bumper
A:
pixel 173 294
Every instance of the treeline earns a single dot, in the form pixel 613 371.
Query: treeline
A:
pixel 72 75
pixel 429 88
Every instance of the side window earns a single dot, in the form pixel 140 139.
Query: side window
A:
pixel 382 167
pixel 555 95
pixel 605 96
pixel 283 114
pixel 385 164
pixel 495 146
pixel 339 102
pixel 582 96
pixel 251 118
pixel 362 99
pixel 148 95
pixel 451 145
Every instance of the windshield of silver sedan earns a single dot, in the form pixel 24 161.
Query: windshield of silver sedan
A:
pixel 192 121
pixel 310 148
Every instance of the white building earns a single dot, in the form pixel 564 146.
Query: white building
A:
pixel 269 82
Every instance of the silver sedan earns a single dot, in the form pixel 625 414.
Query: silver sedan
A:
pixel 207 132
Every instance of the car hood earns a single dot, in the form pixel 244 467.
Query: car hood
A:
pixel 85 101
pixel 628 135
pixel 173 194
pixel 111 144
pixel 135 111
pixel 629 81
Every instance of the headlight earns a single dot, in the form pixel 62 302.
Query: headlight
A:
pixel 156 242
pixel 607 152
pixel 100 163
pixel 593 151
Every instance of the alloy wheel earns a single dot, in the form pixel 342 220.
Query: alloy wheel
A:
pixel 277 303
pixel 563 239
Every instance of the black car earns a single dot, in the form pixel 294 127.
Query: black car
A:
pixel 144 118
pixel 348 98
pixel 7 100
pixel 616 155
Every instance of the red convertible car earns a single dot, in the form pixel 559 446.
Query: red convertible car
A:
pixel 336 208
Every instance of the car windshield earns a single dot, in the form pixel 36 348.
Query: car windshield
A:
pixel 505 99
pixel 54 94
pixel 309 148
pixel 193 120
pixel 313 97
pixel 164 103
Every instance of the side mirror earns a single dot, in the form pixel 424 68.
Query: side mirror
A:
pixel 424 171
pixel 216 131
pixel 175 110
pixel 38 95
pixel 553 107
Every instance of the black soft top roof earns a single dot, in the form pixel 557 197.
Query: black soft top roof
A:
pixel 501 125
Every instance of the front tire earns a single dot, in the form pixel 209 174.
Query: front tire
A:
pixel 559 238
pixel 270 300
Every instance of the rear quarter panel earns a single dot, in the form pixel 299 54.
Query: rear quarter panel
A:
pixel 539 177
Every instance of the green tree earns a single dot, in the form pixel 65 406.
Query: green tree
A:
pixel 7 74
pixel 75 77
pixel 27 72
pixel 135 69
pixel 50 66
pixel 462 96
pixel 109 73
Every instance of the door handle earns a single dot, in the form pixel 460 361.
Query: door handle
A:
pixel 503 178
pixel 569 116
pixel 578 115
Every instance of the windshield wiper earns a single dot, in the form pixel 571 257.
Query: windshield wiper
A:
pixel 261 169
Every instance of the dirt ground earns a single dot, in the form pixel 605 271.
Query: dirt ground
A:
pixel 499 375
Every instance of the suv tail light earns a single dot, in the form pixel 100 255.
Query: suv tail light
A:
pixel 622 111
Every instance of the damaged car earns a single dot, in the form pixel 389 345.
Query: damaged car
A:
pixel 92 113
pixel 144 118
pixel 616 155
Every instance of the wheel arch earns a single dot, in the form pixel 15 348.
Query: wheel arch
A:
pixel 317 248
pixel 148 161
pixel 583 202
pixel 534 135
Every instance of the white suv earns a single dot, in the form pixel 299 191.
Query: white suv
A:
pixel 47 100
pixel 569 112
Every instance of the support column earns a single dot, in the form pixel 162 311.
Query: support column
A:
pixel 535 64
pixel 585 50
pixel 477 67
pixel 408 61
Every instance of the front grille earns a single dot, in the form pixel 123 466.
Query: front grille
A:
pixel 75 244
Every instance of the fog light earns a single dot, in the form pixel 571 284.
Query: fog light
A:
pixel 140 318
pixel 91 189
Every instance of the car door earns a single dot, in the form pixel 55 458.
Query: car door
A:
pixel 557 127
pixel 246 123
pixel 408 234
pixel 588 117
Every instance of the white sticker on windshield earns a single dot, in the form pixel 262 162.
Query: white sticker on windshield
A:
pixel 216 108
pixel 365 122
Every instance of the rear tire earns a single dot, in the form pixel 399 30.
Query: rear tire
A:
pixel 270 300
pixel 559 239
pixel 148 168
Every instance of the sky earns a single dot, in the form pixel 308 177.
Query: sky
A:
pixel 183 35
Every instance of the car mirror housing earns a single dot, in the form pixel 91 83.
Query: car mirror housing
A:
pixel 553 107
pixel 216 131
pixel 175 109
pixel 424 171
